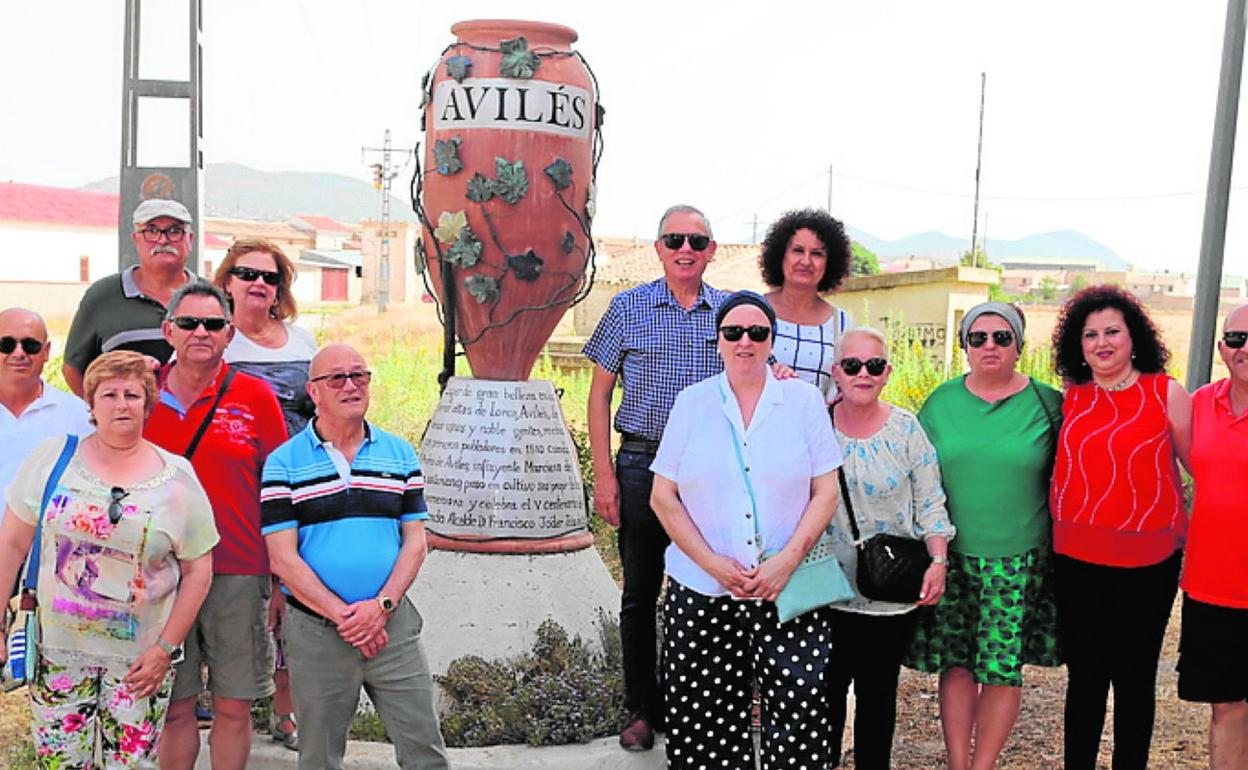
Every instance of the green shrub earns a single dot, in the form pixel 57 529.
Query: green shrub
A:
pixel 561 691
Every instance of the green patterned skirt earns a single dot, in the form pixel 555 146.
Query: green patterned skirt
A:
pixel 997 614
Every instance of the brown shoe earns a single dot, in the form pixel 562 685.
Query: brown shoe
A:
pixel 638 735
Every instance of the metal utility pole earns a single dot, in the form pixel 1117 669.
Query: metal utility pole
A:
pixel 181 183
pixel 829 188
pixel 383 174
pixel 979 160
pixel 1217 199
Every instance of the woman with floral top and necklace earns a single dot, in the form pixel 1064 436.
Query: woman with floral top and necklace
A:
pixel 126 561
pixel 1118 518
pixel 893 480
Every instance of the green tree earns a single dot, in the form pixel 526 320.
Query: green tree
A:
pixel 978 258
pixel 1048 288
pixel 1077 283
pixel 864 262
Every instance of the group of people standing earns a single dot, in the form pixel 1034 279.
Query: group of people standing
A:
pixel 1055 521
pixel 228 521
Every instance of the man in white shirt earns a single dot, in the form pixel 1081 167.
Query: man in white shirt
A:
pixel 30 409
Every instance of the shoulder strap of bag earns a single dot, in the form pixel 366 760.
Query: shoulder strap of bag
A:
pixel 212 411
pixel 749 488
pixel 32 562
pixel 840 476
pixel 1047 413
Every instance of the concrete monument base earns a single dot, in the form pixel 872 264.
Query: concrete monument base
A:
pixel 492 604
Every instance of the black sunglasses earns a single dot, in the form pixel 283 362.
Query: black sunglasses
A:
pixel 152 233
pixel 1232 339
pixel 336 381
pixel 875 366
pixel 116 495
pixel 735 333
pixel 188 323
pixel 697 241
pixel 1002 337
pixel 250 274
pixel 32 346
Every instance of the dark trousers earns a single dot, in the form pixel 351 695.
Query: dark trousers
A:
pixel 866 650
pixel 642 542
pixel 1111 622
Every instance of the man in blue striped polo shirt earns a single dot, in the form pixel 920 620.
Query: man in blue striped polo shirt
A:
pixel 343 514
pixel 656 339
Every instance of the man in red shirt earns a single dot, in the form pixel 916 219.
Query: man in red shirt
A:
pixel 226 423
pixel 1213 664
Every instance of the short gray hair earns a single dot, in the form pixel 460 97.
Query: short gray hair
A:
pixel 684 208
pixel 870 332
pixel 197 288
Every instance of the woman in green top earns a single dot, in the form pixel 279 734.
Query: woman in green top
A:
pixel 994 430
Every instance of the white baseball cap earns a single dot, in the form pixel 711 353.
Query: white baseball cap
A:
pixel 159 207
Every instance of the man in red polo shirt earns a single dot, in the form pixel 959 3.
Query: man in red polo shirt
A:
pixel 1213 648
pixel 227 423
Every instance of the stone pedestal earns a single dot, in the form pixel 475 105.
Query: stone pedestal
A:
pixel 491 604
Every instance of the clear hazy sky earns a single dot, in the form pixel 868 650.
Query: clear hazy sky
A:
pixel 1099 114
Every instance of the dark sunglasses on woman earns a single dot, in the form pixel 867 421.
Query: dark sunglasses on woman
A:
pixel 115 496
pixel 1232 339
pixel 875 366
pixel 1003 338
pixel 250 274
pixel 697 241
pixel 32 346
pixel 735 333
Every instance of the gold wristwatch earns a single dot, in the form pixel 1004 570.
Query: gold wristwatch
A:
pixel 387 604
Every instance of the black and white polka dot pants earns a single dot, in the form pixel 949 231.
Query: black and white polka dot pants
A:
pixel 715 649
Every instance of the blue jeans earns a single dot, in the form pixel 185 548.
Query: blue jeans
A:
pixel 642 543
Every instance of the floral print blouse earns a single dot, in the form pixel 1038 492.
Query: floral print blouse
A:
pixel 105 590
pixel 894 484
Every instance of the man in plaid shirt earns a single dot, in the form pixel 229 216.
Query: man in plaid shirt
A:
pixel 657 339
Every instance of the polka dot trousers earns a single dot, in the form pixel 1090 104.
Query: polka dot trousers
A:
pixel 716 649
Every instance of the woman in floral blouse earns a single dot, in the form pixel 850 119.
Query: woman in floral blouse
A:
pixel 894 487
pixel 126 561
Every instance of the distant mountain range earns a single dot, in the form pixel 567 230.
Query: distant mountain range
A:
pixel 237 191
pixel 1067 244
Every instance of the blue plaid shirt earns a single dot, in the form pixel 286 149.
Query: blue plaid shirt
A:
pixel 658 349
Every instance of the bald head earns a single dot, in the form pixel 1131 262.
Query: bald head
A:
pixel 20 368
pixel 1237 319
pixel 338 384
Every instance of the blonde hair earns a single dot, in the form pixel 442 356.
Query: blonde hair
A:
pixel 120 364
pixel 870 332
pixel 284 307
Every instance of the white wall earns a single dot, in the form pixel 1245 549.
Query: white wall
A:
pixel 50 253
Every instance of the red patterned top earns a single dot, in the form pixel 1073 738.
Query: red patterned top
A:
pixel 1116 497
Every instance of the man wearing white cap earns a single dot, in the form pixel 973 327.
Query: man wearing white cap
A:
pixel 125 311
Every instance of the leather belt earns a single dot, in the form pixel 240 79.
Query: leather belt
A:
pixel 295 604
pixel 631 442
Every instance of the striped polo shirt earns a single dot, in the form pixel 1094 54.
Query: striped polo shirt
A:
pixel 348 517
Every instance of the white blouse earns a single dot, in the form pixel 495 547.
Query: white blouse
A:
pixel 789 442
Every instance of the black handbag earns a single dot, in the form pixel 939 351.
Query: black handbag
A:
pixel 890 567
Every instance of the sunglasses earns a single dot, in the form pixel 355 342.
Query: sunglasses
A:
pixel 875 366
pixel 188 323
pixel 1232 339
pixel 115 496
pixel 32 346
pixel 735 333
pixel 336 381
pixel 152 233
pixel 697 241
pixel 250 274
pixel 1003 338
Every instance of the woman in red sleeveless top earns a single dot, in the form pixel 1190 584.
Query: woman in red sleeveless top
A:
pixel 1118 518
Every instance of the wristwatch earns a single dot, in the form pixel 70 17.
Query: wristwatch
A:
pixel 387 604
pixel 940 559
pixel 175 651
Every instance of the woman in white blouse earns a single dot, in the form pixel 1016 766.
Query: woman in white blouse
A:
pixel 744 484
pixel 894 487
pixel 806 254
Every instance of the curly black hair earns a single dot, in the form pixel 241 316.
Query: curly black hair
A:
pixel 1149 352
pixel 826 228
